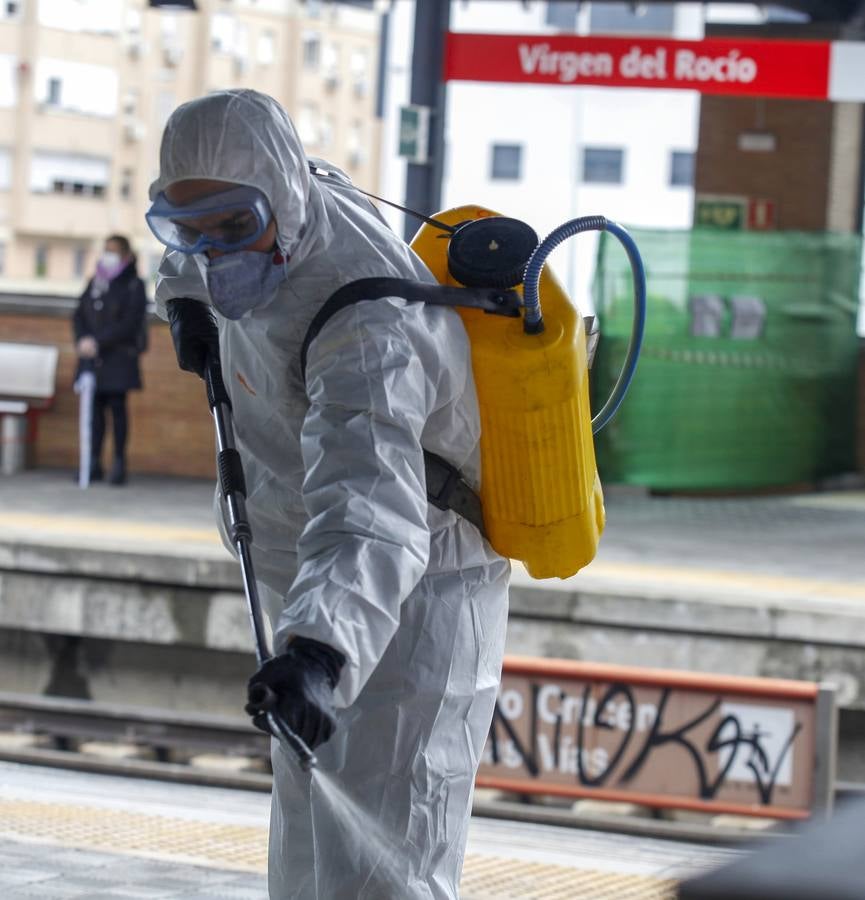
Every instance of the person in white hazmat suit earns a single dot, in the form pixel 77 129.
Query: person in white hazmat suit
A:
pixel 388 613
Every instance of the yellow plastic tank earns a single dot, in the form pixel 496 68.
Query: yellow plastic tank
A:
pixel 541 494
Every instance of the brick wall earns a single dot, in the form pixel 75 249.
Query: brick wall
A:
pixel 813 177
pixel 171 431
pixel 796 176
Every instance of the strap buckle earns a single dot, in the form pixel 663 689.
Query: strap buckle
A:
pixel 441 479
pixel 448 490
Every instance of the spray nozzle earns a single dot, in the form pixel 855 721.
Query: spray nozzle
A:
pixel 263 699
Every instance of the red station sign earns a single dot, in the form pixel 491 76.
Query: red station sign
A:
pixel 776 68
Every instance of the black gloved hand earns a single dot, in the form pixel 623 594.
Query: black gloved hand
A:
pixel 194 332
pixel 302 681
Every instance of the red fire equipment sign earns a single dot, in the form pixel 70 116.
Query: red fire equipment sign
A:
pixel 815 70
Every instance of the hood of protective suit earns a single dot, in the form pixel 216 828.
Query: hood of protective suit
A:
pixel 244 137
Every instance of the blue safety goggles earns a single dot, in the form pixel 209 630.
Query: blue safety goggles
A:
pixel 229 220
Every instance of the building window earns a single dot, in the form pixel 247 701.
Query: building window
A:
pixel 79 260
pixel 681 168
pixel 307 124
pixel 506 162
pixel 311 50
pixel 126 183
pixel 359 65
pixel 68 173
pixel 79 87
pixel 94 16
pixel 631 18
pixel 11 8
pixel 5 169
pixel 168 26
pixel 603 165
pixel 9 78
pixel 165 103
pixel 41 261
pixel 326 132
pixel 172 52
pixel 266 51
pixel 356 144
pixel 130 101
pixel 562 14
pixel 78 188
pixel 52 92
pixel 330 60
pixel 241 43
pixel 222 33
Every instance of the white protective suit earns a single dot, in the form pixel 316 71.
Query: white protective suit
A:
pixel 346 548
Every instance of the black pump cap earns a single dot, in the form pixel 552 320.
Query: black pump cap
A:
pixel 491 252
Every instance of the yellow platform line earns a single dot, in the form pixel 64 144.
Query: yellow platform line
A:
pixel 684 575
pixel 642 573
pixel 90 527
pixel 244 848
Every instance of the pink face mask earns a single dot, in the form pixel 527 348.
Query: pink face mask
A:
pixel 109 265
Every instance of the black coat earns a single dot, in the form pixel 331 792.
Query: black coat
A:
pixel 116 319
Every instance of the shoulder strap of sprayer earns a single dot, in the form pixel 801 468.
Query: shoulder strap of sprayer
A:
pixel 446 487
pixel 320 172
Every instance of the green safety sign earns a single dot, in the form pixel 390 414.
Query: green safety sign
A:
pixel 414 133
pixel 727 213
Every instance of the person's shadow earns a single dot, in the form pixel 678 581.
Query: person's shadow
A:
pixel 823 860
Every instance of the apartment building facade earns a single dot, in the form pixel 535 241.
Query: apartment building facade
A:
pixel 86 87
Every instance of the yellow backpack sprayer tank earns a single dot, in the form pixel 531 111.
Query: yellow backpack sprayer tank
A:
pixel 540 496
pixel 540 491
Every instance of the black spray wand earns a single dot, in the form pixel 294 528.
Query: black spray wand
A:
pixel 233 488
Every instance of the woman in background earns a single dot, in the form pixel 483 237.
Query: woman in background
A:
pixel 109 327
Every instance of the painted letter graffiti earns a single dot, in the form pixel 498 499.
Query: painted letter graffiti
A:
pixel 632 739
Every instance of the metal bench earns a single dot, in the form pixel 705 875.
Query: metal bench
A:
pixel 27 387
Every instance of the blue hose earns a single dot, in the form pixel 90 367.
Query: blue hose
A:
pixel 533 321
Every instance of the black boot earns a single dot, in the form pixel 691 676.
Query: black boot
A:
pixel 118 473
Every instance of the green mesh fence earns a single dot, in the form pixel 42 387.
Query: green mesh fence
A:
pixel 747 377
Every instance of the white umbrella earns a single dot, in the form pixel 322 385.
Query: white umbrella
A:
pixel 85 387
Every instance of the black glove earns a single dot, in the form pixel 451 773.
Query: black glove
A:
pixel 194 332
pixel 299 685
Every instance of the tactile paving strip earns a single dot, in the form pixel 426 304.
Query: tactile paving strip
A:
pixel 240 847
pixel 244 848
pixel 494 878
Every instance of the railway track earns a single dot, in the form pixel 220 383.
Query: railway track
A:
pixel 168 746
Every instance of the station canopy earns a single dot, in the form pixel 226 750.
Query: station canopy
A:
pixel 841 12
pixel 838 12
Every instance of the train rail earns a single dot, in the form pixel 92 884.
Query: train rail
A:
pixel 167 731
pixel 167 745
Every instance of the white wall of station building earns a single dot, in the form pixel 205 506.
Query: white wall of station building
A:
pixel 554 125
